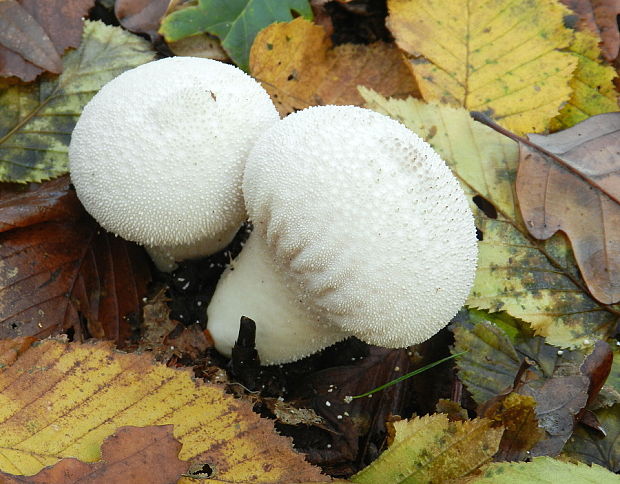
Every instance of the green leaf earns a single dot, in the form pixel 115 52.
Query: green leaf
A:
pixel 544 470
pixel 36 120
pixel 433 449
pixel 536 281
pixel 235 22
pixel 588 446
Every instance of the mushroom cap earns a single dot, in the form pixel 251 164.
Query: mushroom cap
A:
pixel 157 155
pixel 366 221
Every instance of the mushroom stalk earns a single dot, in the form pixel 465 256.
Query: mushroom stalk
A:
pixel 252 286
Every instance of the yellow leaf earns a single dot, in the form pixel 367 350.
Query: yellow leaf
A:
pixel 536 281
pixel 299 67
pixel 497 56
pixel 62 400
pixel 593 84
pixel 433 449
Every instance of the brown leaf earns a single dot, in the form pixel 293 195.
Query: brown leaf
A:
pixel 141 16
pixel 578 191
pixel 58 266
pixel 600 17
pixel 299 67
pixel 596 367
pixel 132 455
pixel 46 29
pixel 10 349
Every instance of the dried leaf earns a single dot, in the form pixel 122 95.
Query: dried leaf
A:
pixel 36 121
pixel 130 455
pixel 433 449
pixel 578 192
pixel 299 67
pixel 235 22
pixel 593 86
pixel 141 16
pixel 592 448
pixel 58 266
pixel 543 470
pixel 500 57
pixel 63 400
pixel 532 280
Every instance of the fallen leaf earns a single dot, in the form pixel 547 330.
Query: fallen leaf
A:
pixel 36 120
pixel 54 25
pixel 10 349
pixel 142 16
pixel 593 448
pixel 501 58
pixel 599 16
pixel 59 267
pixel 543 470
pixel 201 45
pixel 235 22
pixel 536 281
pixel 63 400
pixel 299 67
pixel 577 191
pixel 433 449
pixel 131 455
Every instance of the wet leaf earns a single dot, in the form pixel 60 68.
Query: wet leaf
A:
pixel 593 86
pixel 299 67
pixel 131 454
pixel 235 22
pixel 600 17
pixel 63 400
pixel 142 16
pixel 592 448
pixel 433 449
pixel 533 280
pixel 59 267
pixel 578 192
pixel 500 57
pixel 36 120
pixel 543 470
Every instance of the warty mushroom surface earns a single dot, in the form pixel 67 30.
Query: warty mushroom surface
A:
pixel 359 229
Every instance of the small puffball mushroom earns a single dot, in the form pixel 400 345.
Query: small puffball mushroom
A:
pixel 359 229
pixel 157 155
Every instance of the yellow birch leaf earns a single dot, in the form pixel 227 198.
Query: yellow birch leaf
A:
pixel 497 56
pixel 433 449
pixel 593 84
pixel 299 67
pixel 535 281
pixel 62 400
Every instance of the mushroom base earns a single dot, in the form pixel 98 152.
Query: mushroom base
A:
pixel 165 257
pixel 251 287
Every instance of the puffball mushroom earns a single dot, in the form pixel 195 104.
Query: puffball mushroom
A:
pixel 359 229
pixel 157 155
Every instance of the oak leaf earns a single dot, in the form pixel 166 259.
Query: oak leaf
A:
pixel 501 58
pixel 575 188
pixel 63 400
pixel 299 67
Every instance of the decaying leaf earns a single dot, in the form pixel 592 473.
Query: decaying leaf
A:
pixel 35 33
pixel 533 280
pixel 299 67
pixel 578 192
pixel 593 448
pixel 593 86
pixel 58 267
pixel 143 16
pixel 36 120
pixel 500 57
pixel 544 470
pixel 63 400
pixel 131 455
pixel 433 449
pixel 235 22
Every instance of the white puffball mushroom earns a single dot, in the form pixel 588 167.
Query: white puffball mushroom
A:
pixel 365 229
pixel 157 155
